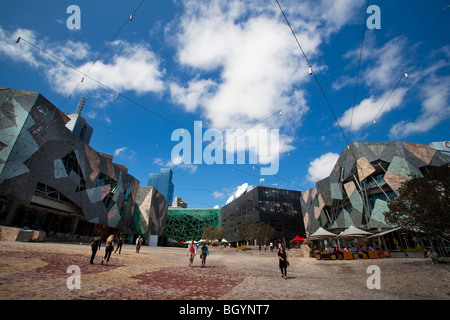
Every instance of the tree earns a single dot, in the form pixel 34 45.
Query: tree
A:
pixel 424 204
pixel 212 233
pixel 265 232
pixel 251 230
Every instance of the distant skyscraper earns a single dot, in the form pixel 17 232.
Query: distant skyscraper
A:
pixel 163 183
pixel 78 124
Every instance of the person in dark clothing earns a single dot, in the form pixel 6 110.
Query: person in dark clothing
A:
pixel 119 244
pixel 282 257
pixel 95 245
pixel 205 252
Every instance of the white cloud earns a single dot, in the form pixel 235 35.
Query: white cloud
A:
pixel 118 151
pixel 321 167
pixel 124 67
pixel 366 111
pixel 388 61
pixel 132 67
pixel 18 52
pixel 176 163
pixel 435 109
pixel 246 63
pixel 217 194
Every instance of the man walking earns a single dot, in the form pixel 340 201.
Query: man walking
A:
pixel 139 241
pixel 192 251
pixel 95 245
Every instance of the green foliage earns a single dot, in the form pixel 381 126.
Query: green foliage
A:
pixel 259 231
pixel 415 249
pixel 213 232
pixel 423 204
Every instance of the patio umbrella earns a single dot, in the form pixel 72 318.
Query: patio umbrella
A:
pixel 353 232
pixel 321 234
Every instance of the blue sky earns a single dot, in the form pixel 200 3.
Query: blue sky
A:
pixel 234 65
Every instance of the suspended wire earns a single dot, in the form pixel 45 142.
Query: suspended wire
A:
pixel 255 125
pixel 103 85
pixel 85 75
pixel 359 68
pixel 157 144
pixel 404 73
pixel 311 72
pixel 103 51
pixel 147 109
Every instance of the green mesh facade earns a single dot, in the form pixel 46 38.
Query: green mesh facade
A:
pixel 185 224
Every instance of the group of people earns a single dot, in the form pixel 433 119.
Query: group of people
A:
pixel 96 243
pixel 192 252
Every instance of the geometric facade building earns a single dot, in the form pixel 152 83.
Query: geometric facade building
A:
pixel 365 177
pixel 149 214
pixel 79 126
pixel 279 208
pixel 184 224
pixel 51 179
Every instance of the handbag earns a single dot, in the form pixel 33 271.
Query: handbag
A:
pixel 287 263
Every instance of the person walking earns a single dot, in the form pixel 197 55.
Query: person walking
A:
pixel 139 241
pixel 109 248
pixel 205 252
pixel 192 251
pixel 283 262
pixel 95 245
pixel 119 244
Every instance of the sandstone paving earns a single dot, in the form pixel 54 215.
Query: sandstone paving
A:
pixel 38 271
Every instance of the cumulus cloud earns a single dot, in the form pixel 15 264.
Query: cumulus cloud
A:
pixel 435 109
pixel 245 62
pixel 370 108
pixel 321 167
pixel 132 67
pixel 125 66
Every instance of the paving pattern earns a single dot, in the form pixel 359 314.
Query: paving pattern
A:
pixel 38 271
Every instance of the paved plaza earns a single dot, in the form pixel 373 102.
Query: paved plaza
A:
pixel 38 271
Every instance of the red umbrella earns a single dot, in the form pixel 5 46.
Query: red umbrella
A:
pixel 297 239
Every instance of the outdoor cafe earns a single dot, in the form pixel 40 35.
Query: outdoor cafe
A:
pixel 350 244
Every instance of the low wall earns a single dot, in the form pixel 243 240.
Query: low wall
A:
pixel 18 234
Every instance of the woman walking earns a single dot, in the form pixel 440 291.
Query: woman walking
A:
pixel 282 257
pixel 109 248
pixel 205 252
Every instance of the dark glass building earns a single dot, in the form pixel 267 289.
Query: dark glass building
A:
pixel 278 207
pixel 163 183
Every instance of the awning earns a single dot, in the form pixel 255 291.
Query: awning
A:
pixel 383 233
pixel 297 239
